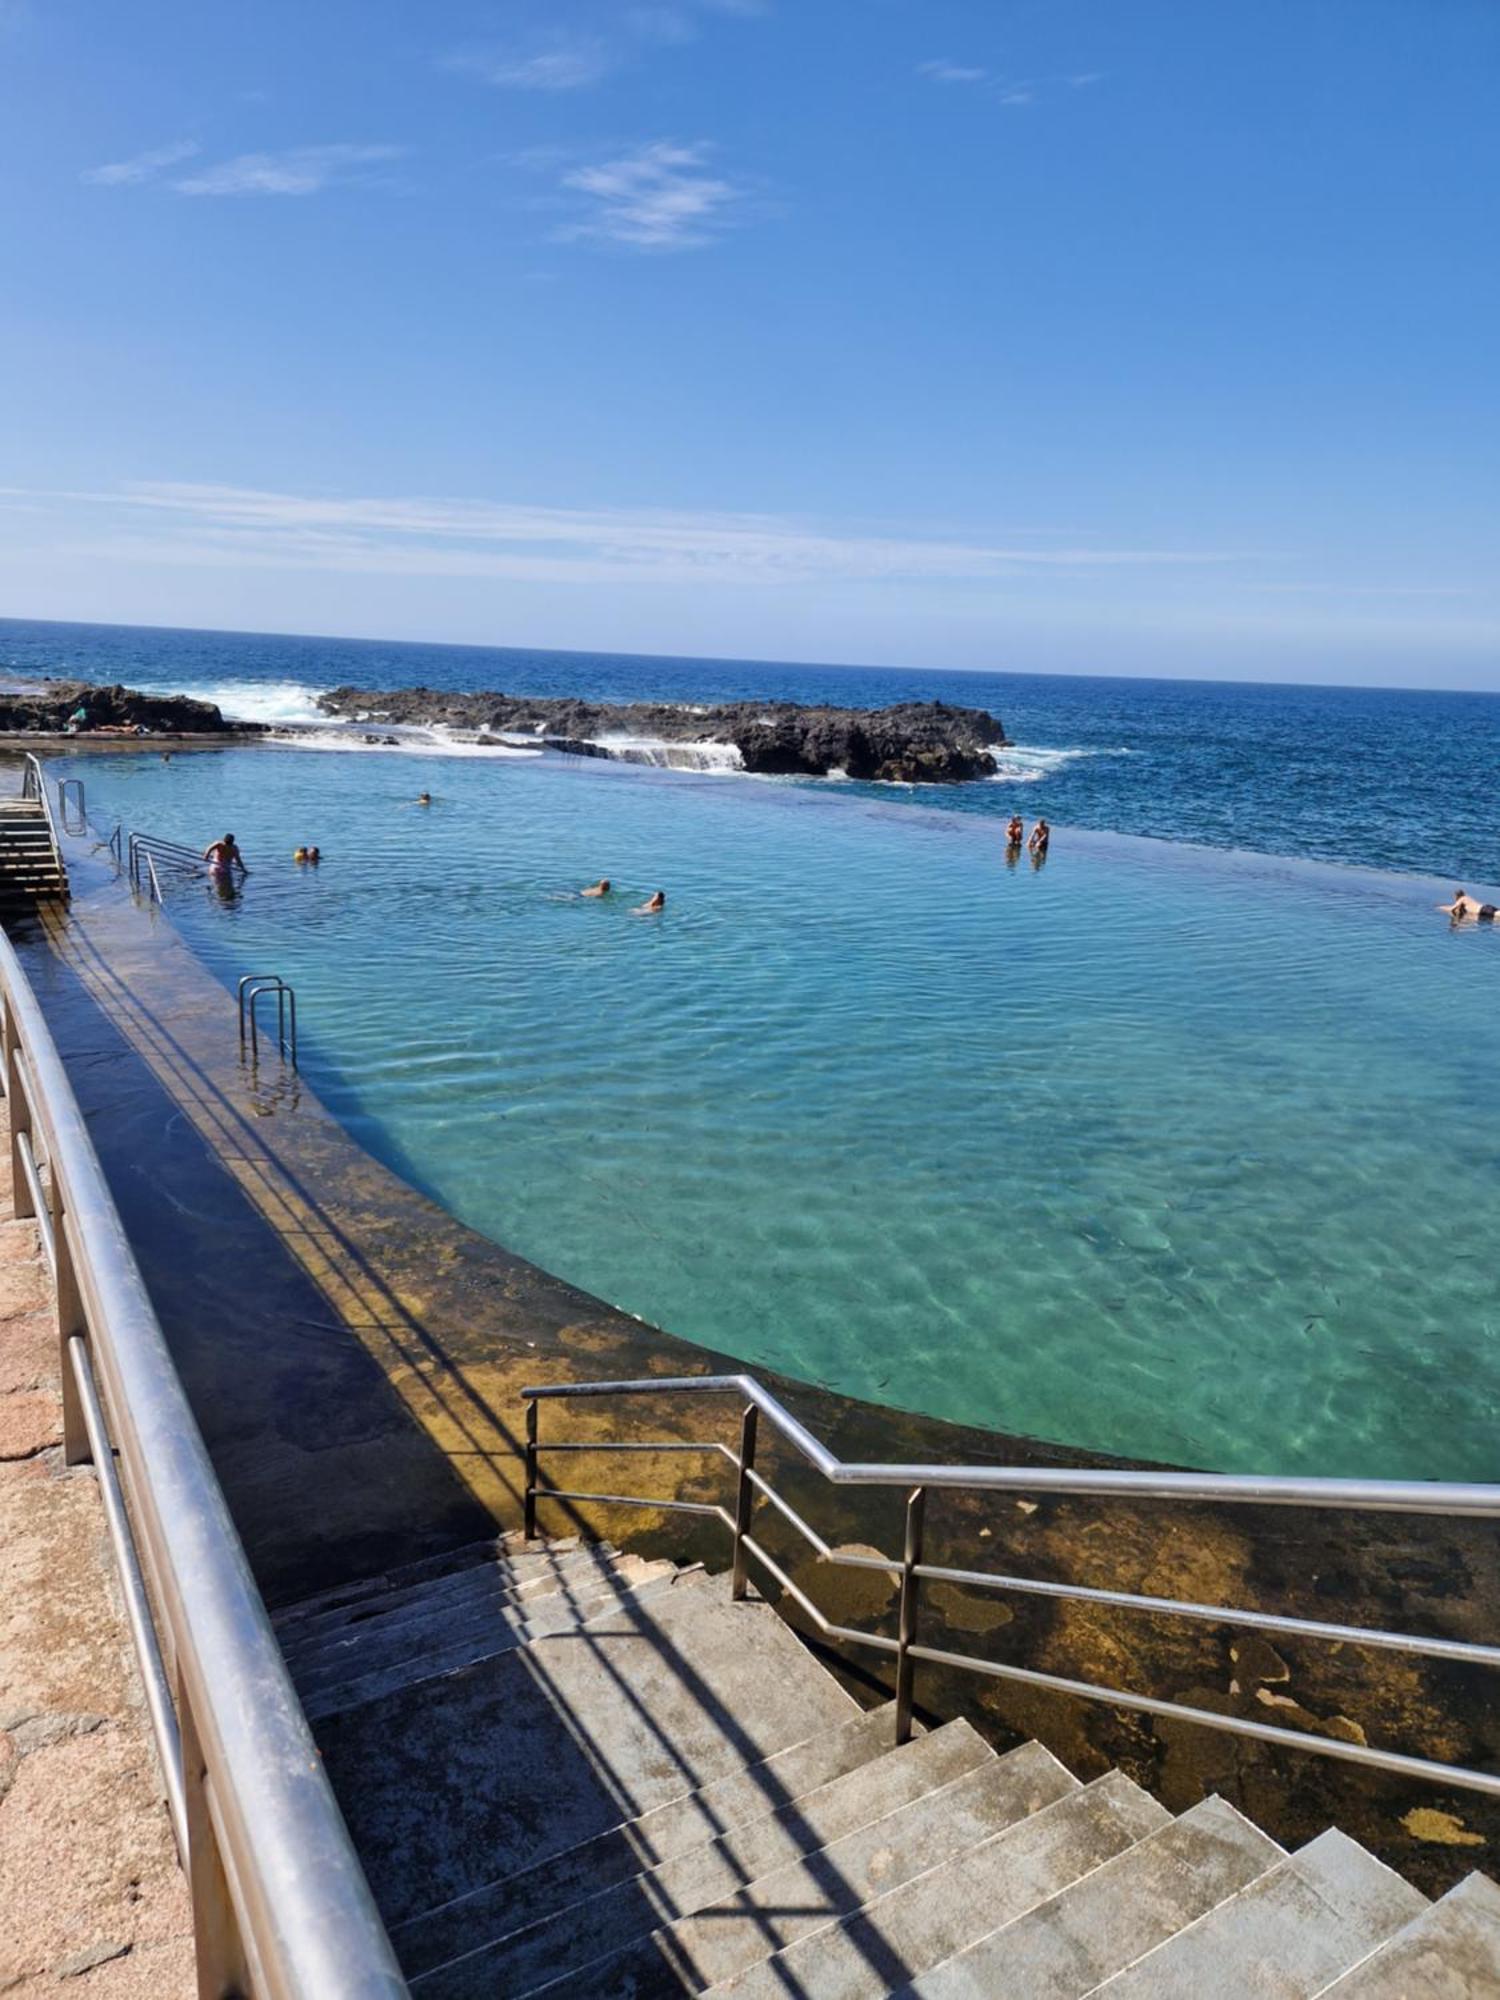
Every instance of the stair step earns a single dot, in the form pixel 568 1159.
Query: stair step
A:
pixel 535 1750
pixel 1450 1952
pixel 338 1634
pixel 498 1630
pixel 453 1624
pixel 772 1785
pixel 918 1923
pixel 1288 1934
pixel 1095 1927
pixel 507 1550
pixel 811 1895
pixel 615 1918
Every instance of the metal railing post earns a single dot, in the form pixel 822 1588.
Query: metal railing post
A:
pixel 744 1499
pixel 531 1469
pixel 906 1626
pixel 222 1973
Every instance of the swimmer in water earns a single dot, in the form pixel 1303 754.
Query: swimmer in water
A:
pixel 422 799
pixel 1016 831
pixel 652 904
pixel 315 855
pixel 300 854
pixel 1465 905
pixel 599 888
pixel 223 856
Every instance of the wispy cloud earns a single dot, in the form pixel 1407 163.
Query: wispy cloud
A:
pixel 940 70
pixel 300 170
pixel 239 527
pixel 661 196
pixel 557 65
pixel 1005 89
pixel 142 166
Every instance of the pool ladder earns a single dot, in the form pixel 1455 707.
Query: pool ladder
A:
pixel 251 990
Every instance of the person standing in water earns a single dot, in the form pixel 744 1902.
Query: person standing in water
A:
pixel 223 856
pixel 1036 847
pixel 1016 831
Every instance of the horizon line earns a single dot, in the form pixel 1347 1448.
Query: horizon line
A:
pixel 734 659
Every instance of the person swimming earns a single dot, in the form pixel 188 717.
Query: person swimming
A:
pixel 652 904
pixel 1015 833
pixel 1465 905
pixel 422 799
pixel 315 855
pixel 599 888
pixel 300 854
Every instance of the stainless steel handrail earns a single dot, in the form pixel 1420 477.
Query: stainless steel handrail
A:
pixel 281 1907
pixel 911 1571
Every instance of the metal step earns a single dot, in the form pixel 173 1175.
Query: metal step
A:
pixel 1290 1933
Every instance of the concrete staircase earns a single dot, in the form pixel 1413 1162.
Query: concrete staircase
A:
pixel 31 868
pixel 576 1773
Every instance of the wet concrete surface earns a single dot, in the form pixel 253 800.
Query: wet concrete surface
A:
pixel 355 1356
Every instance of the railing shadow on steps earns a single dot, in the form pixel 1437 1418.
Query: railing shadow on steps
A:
pixel 911 1571
pixel 281 1908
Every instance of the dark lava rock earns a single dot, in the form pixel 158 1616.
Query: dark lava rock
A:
pixel 50 709
pixel 915 742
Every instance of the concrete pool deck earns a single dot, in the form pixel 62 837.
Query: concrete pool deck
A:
pixel 355 1356
pixel 91 1896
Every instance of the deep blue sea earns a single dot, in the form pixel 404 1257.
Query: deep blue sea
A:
pixel 1389 778
pixel 1160 1149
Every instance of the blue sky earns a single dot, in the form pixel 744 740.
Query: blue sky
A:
pixel 1056 335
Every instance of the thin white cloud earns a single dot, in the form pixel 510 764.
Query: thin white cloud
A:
pixel 300 170
pixel 238 527
pixel 557 65
pixel 662 196
pixel 940 70
pixel 142 166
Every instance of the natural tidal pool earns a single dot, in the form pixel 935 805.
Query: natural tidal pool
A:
pixel 1158 1151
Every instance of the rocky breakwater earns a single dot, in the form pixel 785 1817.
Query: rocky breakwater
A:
pixel 49 709
pixel 915 742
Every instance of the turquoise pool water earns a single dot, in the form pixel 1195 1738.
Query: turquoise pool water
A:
pixel 1158 1150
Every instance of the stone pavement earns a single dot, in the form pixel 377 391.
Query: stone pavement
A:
pixel 92 1901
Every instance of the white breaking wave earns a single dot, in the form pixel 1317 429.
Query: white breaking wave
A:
pixel 671 756
pixel 1028 763
pixel 410 743
pixel 251 701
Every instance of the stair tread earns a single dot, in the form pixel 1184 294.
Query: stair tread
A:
pixel 452 1597
pixel 810 1896
pixel 721 1868
pixel 495 1632
pixel 534 1750
pixel 917 1923
pixel 1289 1933
pixel 1450 1952
pixel 506 1549
pixel 773 1784
pixel 1112 1916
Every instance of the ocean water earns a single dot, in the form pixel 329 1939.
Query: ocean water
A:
pixel 1391 779
pixel 1159 1149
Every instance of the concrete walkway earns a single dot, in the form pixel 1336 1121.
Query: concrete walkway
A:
pixel 92 1901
